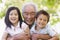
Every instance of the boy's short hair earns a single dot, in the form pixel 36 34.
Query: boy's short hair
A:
pixel 43 12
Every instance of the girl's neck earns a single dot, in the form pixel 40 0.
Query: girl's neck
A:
pixel 15 24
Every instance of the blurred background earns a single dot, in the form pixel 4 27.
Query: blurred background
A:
pixel 51 6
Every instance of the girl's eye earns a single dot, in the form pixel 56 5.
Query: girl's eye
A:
pixel 11 14
pixel 16 14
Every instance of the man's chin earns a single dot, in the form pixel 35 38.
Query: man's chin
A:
pixel 29 23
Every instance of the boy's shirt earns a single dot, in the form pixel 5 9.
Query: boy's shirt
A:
pixel 47 30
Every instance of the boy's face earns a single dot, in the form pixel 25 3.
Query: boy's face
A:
pixel 41 20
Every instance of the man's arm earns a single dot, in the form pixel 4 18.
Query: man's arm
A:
pixel 18 36
pixel 54 37
pixel 41 36
pixel 25 35
pixel 44 36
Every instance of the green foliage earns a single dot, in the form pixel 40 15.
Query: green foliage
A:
pixel 55 20
pixel 0 1
pixel 2 14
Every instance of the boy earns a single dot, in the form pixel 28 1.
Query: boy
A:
pixel 40 27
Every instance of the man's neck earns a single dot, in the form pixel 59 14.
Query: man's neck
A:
pixel 29 25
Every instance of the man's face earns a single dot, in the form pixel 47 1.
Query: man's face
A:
pixel 29 14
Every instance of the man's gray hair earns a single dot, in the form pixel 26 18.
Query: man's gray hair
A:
pixel 27 4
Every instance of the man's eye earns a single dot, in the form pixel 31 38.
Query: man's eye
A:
pixel 25 12
pixel 33 12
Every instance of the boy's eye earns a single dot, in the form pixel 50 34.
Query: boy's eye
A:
pixel 45 20
pixel 40 19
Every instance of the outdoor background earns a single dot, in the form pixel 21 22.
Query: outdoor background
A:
pixel 51 6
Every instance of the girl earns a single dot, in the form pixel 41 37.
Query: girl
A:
pixel 15 25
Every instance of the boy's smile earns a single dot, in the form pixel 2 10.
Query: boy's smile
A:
pixel 41 21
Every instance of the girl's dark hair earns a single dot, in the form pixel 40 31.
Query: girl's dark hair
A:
pixel 43 12
pixel 8 23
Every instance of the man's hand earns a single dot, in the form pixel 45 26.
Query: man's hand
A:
pixel 41 36
pixel 22 36
pixel 35 36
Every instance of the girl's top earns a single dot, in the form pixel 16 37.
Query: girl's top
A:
pixel 15 30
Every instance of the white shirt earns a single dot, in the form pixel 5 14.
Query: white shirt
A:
pixel 15 30
pixel 46 30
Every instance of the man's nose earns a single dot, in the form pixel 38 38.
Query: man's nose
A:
pixel 29 16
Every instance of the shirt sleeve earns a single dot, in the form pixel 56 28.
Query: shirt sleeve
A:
pixel 32 30
pixel 51 32
pixel 6 30
pixel 24 26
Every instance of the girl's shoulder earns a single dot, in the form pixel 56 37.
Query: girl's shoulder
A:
pixel 24 25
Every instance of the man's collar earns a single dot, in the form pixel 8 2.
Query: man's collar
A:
pixel 29 25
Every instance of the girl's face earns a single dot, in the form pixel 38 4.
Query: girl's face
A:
pixel 13 16
pixel 41 20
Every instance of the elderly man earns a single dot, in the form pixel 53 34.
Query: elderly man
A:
pixel 29 11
